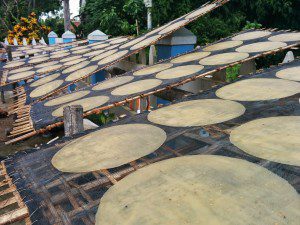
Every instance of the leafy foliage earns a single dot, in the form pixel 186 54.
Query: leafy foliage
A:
pixel 113 17
pixel 28 28
pixel 232 73
pixel 56 23
pixel 102 118
pixel 12 11
pixel 253 25
pixel 119 17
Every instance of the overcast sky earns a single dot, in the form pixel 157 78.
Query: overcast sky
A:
pixel 74 7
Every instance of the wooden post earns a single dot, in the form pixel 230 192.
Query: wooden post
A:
pixel 9 54
pixel 73 120
pixel 2 96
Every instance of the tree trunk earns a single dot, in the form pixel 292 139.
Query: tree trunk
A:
pixel 67 20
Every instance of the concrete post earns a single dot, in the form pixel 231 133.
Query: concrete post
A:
pixel 42 41
pixel 33 41
pixel 248 67
pixel 67 16
pixel 52 37
pixel 289 57
pixel 152 55
pixel 9 53
pixel 180 41
pixel 24 41
pixel 73 120
pixel 68 36
pixel 15 42
pixel 97 36
pixel 142 57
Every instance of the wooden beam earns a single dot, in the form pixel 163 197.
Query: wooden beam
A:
pixel 14 216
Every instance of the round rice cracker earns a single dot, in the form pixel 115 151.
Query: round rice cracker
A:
pixel 66 98
pixel 152 69
pixel 200 11
pixel 46 88
pixel 87 104
pixel 261 47
pixel 223 58
pixel 251 35
pixel 202 189
pixel 259 89
pixel 292 73
pixel 222 46
pixel 103 150
pixel 286 37
pixel 112 82
pixel 81 73
pixel 179 71
pixel 274 139
pixel 197 113
pixel 190 57
pixel 45 80
pixel 136 87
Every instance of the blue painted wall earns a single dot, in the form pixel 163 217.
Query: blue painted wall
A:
pixel 98 77
pixel 67 40
pixel 92 41
pixel 168 51
pixel 52 40
pixel 72 87
pixel 161 101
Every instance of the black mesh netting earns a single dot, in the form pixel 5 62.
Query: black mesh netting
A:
pixel 41 115
pixel 73 198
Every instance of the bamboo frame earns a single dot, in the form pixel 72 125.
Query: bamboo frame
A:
pixel 4 81
pixel 21 213
pixel 59 46
pixel 31 132
pixel 57 91
pixel 76 189
pixel 132 52
pixel 72 192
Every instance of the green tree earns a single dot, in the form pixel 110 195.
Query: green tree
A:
pixel 12 11
pixel 56 23
pixel 113 17
pixel 119 17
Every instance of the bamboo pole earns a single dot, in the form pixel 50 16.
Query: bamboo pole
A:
pixel 98 110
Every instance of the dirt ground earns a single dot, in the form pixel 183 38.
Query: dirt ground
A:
pixel 5 150
pixel 6 125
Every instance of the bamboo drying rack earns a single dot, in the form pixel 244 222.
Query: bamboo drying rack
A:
pixel 20 213
pixel 23 132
